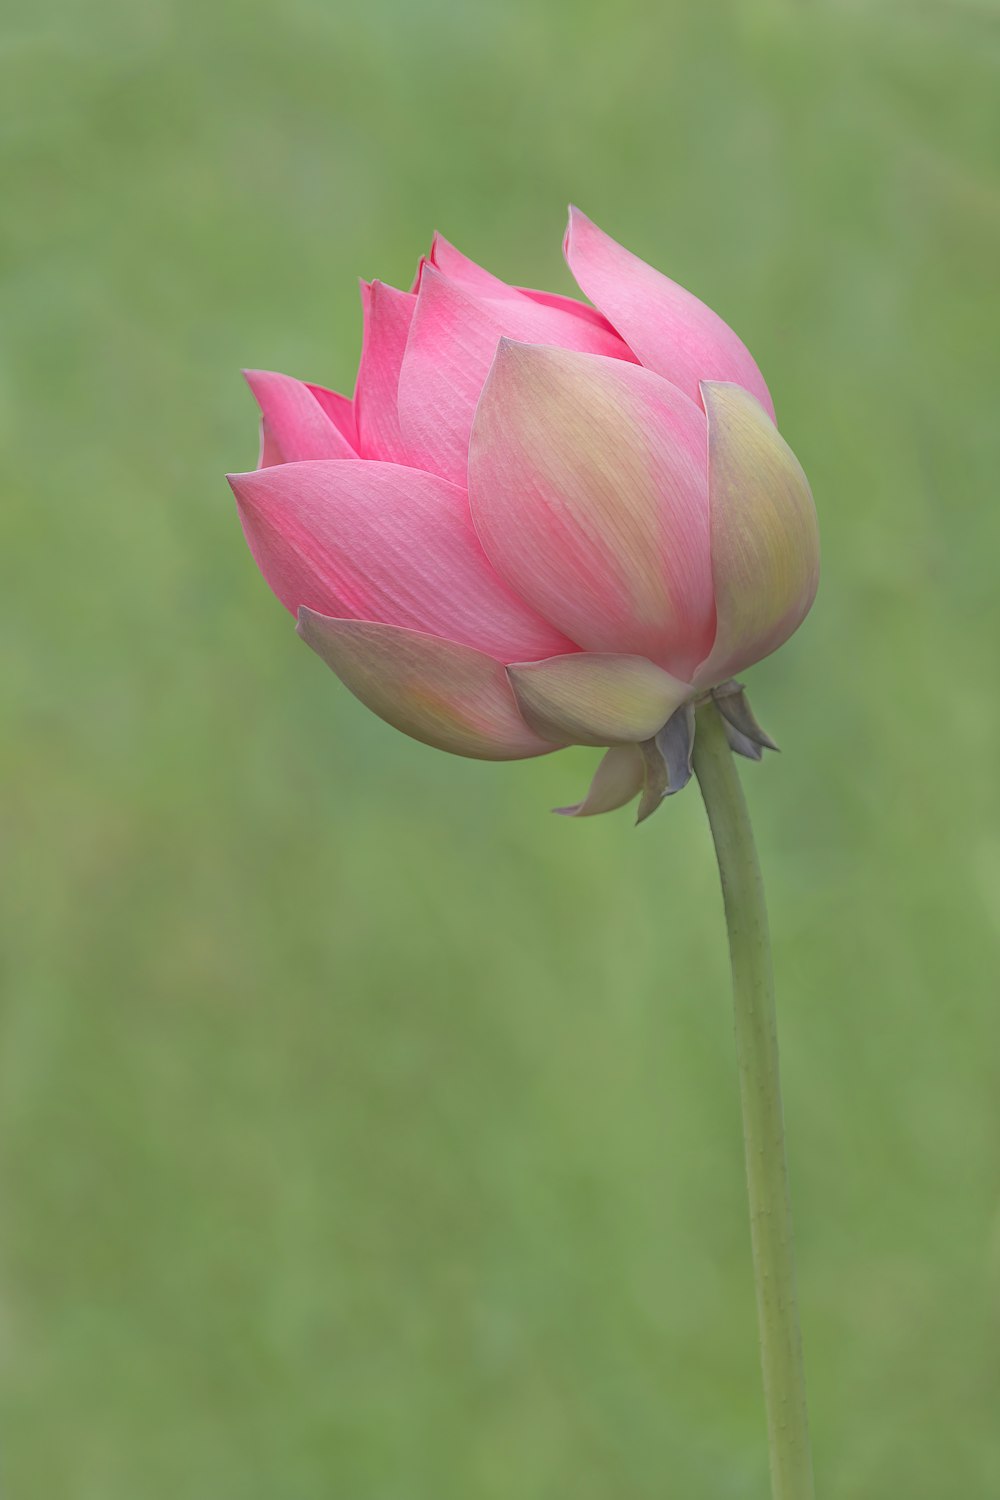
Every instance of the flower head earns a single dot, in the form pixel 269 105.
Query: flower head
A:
pixel 537 522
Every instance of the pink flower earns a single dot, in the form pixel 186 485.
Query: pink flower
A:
pixel 537 522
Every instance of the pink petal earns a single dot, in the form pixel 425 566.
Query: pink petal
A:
pixel 458 267
pixel 388 314
pixel 294 422
pixel 374 541
pixel 594 698
pixel 452 341
pixel 670 330
pixel 619 777
pixel 765 538
pixel 340 410
pixel 578 309
pixel 588 489
pixel 446 695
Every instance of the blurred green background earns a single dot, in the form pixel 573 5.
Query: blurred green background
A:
pixel 367 1132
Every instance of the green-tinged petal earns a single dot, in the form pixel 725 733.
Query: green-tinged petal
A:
pixel 445 694
pixel 765 540
pixel 594 698
pixel 616 781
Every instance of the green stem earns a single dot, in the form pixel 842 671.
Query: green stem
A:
pixel 763 1125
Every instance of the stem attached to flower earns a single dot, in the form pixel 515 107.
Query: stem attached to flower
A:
pixel 763 1125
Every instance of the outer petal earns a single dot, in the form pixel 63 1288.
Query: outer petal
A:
pixel 596 699
pixel 446 695
pixel 765 538
pixel 670 330
pixel 388 314
pixel 452 342
pixel 618 779
pixel 295 424
pixel 373 541
pixel 588 488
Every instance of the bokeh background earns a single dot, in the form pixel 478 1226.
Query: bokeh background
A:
pixel 367 1132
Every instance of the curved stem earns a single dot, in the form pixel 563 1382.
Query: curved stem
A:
pixel 763 1125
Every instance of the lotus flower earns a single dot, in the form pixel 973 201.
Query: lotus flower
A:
pixel 538 522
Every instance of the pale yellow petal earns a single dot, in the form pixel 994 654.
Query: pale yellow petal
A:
pixel 596 698
pixel 445 694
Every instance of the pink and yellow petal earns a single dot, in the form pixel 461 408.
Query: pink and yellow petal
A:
pixel 437 691
pixel 596 699
pixel 765 536
pixel 588 488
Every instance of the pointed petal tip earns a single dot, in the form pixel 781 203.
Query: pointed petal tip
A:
pixel 429 271
pixel 242 485
pixel 303 621
pixel 252 488
pixel 617 780
pixel 577 223
pixel 577 810
pixel 260 381
pixel 255 375
pixel 714 391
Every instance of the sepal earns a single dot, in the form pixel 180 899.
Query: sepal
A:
pixel 667 759
pixel 744 734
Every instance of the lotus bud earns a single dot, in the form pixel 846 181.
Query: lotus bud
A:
pixel 537 522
